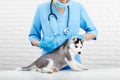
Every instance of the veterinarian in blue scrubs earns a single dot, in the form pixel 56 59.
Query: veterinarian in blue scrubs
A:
pixel 58 20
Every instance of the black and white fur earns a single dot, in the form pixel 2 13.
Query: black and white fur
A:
pixel 55 60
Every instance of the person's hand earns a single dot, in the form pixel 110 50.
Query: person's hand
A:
pixel 47 44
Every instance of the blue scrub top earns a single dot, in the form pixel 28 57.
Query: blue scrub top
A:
pixel 78 19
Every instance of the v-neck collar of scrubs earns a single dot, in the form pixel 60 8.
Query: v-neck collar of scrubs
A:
pixel 57 12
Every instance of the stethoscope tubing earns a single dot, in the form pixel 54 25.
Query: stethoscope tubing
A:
pixel 51 13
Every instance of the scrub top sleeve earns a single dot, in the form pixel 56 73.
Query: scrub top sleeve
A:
pixel 86 23
pixel 35 32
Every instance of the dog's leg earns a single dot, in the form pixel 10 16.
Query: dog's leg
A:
pixel 73 65
pixel 48 68
pixel 83 67
pixel 80 66
pixel 51 63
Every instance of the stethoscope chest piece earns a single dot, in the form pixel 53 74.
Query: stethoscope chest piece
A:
pixel 66 31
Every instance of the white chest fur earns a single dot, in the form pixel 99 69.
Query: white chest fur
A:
pixel 73 63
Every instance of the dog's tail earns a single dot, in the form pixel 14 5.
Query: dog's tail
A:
pixel 27 68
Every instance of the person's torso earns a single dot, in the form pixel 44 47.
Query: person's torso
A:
pixel 49 30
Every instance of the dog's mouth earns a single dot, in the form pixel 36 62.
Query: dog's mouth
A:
pixel 79 52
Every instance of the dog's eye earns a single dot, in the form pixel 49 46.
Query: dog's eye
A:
pixel 76 46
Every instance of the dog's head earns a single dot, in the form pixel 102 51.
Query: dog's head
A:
pixel 76 45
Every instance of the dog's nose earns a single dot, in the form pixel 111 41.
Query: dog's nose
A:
pixel 79 52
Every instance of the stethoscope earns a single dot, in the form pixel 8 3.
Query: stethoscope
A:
pixel 66 30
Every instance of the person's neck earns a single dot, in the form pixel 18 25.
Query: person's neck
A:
pixel 60 10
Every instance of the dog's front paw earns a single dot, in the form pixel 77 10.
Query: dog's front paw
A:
pixel 77 69
pixel 85 68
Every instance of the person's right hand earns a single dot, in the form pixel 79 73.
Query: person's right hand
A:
pixel 47 44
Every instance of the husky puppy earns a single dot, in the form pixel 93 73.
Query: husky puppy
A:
pixel 57 59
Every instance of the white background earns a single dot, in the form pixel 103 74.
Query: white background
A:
pixel 16 18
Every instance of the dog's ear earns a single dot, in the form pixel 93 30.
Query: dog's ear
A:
pixel 74 39
pixel 77 40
